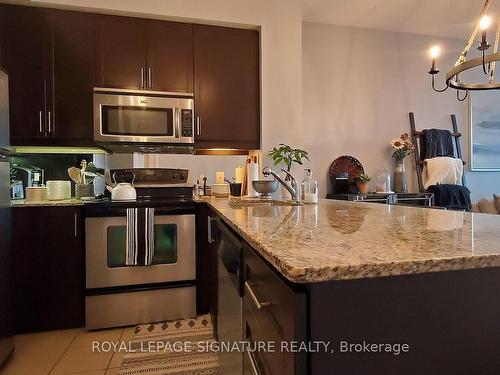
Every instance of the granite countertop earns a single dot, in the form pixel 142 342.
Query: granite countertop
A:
pixel 64 202
pixel 338 240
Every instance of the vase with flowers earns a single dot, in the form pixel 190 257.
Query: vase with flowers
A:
pixel 402 148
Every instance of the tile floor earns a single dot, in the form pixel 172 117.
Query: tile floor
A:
pixel 65 352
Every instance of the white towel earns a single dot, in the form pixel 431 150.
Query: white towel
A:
pixel 131 245
pixel 442 170
pixel 150 236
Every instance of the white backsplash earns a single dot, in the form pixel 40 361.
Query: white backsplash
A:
pixel 197 164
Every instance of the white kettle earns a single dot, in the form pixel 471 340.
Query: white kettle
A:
pixel 122 191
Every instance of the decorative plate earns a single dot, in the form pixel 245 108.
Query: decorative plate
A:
pixel 346 164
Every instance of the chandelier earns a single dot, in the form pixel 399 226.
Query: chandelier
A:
pixel 487 61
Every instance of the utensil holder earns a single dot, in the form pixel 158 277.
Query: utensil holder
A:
pixel 235 189
pixel 82 190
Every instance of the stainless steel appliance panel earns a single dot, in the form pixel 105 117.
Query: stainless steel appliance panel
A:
pixel 6 325
pixel 129 308
pixel 139 117
pixel 99 275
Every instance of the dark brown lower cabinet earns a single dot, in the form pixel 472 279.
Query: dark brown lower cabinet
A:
pixel 432 323
pixel 272 313
pixel 48 272
pixel 206 261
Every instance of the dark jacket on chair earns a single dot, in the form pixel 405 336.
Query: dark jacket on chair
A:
pixel 453 197
pixel 436 142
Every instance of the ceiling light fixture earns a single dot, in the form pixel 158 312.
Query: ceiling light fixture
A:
pixel 487 62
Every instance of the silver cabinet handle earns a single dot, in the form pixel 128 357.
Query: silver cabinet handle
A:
pixel 40 116
pixel 198 125
pixel 76 225
pixel 142 78
pixel 49 122
pixel 150 78
pixel 253 363
pixel 209 229
pixel 258 304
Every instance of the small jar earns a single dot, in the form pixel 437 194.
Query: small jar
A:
pixel 309 188
pixel 383 181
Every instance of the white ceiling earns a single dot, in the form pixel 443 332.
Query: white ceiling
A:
pixel 446 18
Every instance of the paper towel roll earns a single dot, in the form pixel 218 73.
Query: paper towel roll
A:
pixel 238 175
pixel 252 175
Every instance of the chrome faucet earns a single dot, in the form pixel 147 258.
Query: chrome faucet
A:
pixel 294 189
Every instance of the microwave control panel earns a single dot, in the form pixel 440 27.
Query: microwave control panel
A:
pixel 187 122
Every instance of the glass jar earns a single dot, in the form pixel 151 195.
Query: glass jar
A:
pixel 309 188
pixel 383 181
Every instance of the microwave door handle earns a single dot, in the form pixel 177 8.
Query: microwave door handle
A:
pixel 177 129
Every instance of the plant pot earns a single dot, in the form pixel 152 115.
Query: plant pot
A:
pixel 400 176
pixel 362 187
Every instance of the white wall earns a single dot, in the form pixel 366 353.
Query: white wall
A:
pixel 280 22
pixel 359 86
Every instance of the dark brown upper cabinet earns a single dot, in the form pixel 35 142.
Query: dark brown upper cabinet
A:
pixel 50 57
pixel 226 75
pixel 169 56
pixel 25 51
pixel 55 58
pixel 122 53
pixel 145 54
pixel 74 61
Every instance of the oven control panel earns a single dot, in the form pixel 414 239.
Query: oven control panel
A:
pixel 187 122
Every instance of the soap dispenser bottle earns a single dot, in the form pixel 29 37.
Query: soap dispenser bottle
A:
pixel 309 188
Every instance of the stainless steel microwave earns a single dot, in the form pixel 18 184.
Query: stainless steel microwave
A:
pixel 143 117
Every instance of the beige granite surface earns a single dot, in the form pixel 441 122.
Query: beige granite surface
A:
pixel 337 240
pixel 64 202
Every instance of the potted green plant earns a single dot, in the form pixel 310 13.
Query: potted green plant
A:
pixel 284 154
pixel 362 183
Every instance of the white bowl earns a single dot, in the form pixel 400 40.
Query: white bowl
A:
pixel 220 190
pixel 58 190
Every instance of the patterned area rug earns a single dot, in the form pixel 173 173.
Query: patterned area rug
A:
pixel 172 348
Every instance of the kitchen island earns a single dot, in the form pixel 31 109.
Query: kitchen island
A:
pixel 384 289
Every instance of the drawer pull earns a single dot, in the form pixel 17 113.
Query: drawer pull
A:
pixel 251 358
pixel 258 304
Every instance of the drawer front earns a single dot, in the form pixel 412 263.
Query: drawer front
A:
pixel 268 296
pixel 138 307
pixel 263 362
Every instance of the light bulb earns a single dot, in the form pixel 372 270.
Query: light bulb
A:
pixel 434 52
pixel 484 23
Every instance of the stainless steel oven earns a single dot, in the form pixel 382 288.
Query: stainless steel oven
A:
pixel 120 294
pixel 173 260
pixel 144 117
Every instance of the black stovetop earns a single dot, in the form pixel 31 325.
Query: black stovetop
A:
pixel 170 200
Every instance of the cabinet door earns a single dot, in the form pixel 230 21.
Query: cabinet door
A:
pixel 74 71
pixel 27 240
pixel 25 51
pixel 169 56
pixel 63 305
pixel 48 260
pixel 226 68
pixel 122 52
pixel 206 261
